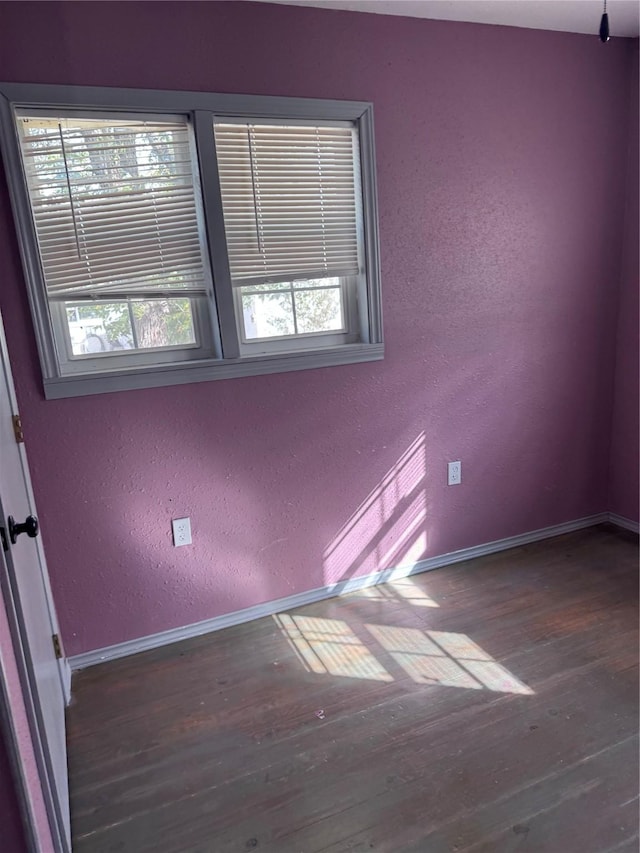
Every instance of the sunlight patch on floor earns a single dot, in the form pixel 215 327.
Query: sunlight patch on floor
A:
pixel 409 591
pixel 443 657
pixel 405 590
pixel 331 647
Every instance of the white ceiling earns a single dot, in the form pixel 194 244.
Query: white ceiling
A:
pixel 573 16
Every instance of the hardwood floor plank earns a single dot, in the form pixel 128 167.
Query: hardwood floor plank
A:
pixel 486 706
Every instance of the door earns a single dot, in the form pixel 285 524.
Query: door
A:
pixel 23 572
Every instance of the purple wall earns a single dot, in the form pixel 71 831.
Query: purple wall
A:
pixel 500 171
pixel 10 823
pixel 625 431
pixel 11 834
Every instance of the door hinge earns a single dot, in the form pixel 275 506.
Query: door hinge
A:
pixel 17 429
pixel 57 646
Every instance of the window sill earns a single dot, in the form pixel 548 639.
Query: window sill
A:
pixel 205 371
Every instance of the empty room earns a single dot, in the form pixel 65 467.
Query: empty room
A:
pixel 319 485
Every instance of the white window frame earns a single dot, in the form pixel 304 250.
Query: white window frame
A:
pixel 349 286
pixel 70 364
pixel 222 354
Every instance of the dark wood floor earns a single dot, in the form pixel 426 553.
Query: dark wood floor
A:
pixel 486 707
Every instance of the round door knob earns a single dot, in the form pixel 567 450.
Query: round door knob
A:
pixel 28 526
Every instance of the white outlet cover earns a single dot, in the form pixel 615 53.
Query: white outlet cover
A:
pixel 181 531
pixel 454 471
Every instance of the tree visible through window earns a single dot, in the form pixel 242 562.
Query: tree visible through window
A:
pixel 310 306
pixel 95 182
pixel 171 237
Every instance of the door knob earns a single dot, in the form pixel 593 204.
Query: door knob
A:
pixel 28 526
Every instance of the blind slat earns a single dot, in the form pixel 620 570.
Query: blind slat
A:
pixel 290 201
pixel 111 267
pixel 114 205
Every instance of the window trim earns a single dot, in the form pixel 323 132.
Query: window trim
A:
pixel 200 107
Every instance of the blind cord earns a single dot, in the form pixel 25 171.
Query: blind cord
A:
pixel 253 186
pixel 66 172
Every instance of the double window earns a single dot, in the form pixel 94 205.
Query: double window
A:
pixel 176 237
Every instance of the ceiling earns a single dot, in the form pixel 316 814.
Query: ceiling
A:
pixel 573 16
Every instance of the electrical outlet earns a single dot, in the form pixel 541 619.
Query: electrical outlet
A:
pixel 454 470
pixel 181 531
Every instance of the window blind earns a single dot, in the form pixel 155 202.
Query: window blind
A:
pixel 290 197
pixel 114 206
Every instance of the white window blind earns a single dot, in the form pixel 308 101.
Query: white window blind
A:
pixel 290 197
pixel 114 206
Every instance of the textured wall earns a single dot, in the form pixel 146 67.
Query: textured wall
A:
pixel 11 834
pixel 10 823
pixel 625 432
pixel 500 169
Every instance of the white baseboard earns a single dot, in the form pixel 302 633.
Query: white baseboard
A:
pixel 65 673
pixel 625 523
pixel 268 608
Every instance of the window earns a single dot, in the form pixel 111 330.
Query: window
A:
pixel 116 220
pixel 178 237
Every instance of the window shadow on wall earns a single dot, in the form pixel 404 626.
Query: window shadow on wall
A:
pixel 389 528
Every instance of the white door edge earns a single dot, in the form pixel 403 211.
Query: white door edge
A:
pixel 63 664
pixel 25 672
pixel 10 738
pixel 10 585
